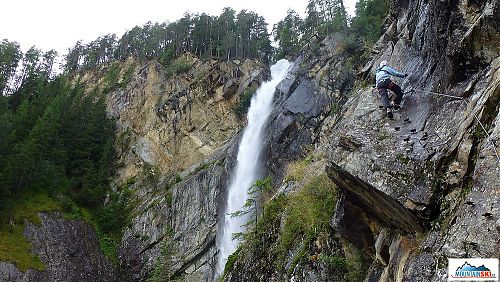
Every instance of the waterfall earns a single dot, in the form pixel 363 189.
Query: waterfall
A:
pixel 247 167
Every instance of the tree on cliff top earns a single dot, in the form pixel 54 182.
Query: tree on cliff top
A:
pixel 324 17
pixel 229 36
pixel 370 14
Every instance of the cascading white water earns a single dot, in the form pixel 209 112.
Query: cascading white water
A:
pixel 247 167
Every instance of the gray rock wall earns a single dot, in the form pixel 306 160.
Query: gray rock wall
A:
pixel 185 226
pixel 69 249
pixel 440 166
pixel 9 272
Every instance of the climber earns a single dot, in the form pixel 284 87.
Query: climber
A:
pixel 384 82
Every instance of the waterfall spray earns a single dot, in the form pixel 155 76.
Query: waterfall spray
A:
pixel 247 167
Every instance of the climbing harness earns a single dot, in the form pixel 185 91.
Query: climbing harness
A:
pixel 466 102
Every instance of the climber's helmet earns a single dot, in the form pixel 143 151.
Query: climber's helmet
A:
pixel 383 63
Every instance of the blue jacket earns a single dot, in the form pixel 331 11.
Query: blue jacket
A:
pixel 385 72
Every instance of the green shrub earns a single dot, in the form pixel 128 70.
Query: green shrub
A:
pixel 231 259
pixel 269 221
pixel 178 178
pixel 111 220
pixel 127 76
pixel 169 198
pixel 349 45
pixel 336 262
pixel 370 15
pixel 256 191
pixel 293 219
pixel 108 246
pixel 167 56
pixel 111 79
pixel 71 211
pixel 130 181
pixel 178 66
pixel 244 102
pixel 115 215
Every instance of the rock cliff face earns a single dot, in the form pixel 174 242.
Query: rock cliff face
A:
pixel 173 123
pixel 178 138
pixel 439 169
pixel 175 226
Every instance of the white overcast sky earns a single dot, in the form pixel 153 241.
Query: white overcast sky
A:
pixel 58 24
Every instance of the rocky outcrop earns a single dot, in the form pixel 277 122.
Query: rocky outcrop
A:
pixel 374 202
pixel 9 272
pixel 70 250
pixel 304 99
pixel 174 122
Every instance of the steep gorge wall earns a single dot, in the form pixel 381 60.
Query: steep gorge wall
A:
pixel 174 119
pixel 177 138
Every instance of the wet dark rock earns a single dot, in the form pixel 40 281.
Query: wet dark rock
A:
pixel 304 101
pixel 351 222
pixel 349 143
pixel 293 122
pixel 374 273
pixel 421 268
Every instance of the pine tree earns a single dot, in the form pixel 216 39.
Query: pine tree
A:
pixel 369 17
pixel 288 33
pixel 10 56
